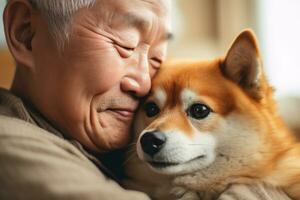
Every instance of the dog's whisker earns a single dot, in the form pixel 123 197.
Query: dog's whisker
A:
pixel 131 144
pixel 131 150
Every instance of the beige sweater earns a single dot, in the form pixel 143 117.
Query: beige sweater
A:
pixel 37 162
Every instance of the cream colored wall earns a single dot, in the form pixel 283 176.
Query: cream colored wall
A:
pixel 234 16
pixel 2 40
pixel 195 29
pixel 205 28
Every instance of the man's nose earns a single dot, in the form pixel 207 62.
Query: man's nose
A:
pixel 138 79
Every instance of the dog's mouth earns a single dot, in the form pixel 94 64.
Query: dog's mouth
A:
pixel 162 164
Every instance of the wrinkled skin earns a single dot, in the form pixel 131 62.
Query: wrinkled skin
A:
pixel 90 89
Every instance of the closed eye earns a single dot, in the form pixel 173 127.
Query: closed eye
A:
pixel 127 48
pixel 124 51
pixel 155 62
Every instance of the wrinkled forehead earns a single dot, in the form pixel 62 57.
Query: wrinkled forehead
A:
pixel 140 14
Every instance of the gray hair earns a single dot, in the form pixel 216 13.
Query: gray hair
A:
pixel 58 14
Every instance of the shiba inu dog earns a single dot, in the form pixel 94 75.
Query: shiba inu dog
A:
pixel 208 124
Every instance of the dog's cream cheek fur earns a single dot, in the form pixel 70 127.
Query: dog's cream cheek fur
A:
pixel 236 152
pixel 181 148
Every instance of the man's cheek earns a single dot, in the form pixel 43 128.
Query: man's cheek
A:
pixel 106 73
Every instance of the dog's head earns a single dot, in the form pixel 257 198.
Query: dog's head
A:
pixel 215 113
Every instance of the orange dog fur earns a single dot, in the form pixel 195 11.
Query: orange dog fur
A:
pixel 241 140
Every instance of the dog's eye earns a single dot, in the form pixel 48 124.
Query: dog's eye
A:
pixel 198 111
pixel 151 109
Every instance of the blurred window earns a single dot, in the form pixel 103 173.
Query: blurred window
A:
pixel 279 24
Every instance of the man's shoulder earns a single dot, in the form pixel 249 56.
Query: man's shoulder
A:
pixel 11 127
pixel 23 142
pixel 26 134
pixel 50 167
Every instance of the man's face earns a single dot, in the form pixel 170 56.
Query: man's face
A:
pixel 91 90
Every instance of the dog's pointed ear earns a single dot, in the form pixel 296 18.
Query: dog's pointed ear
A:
pixel 243 65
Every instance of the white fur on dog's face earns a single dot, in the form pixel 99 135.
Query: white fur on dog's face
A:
pixel 183 152
pixel 187 154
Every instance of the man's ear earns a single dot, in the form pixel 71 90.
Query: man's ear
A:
pixel 19 31
pixel 243 66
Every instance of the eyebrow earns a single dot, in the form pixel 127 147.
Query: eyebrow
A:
pixel 133 20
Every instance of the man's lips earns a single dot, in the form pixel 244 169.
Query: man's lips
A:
pixel 127 113
pixel 123 109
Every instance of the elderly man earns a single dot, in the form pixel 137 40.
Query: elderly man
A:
pixel 82 66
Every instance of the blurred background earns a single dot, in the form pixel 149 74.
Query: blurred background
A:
pixel 205 29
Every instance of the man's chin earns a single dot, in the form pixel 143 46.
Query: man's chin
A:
pixel 112 142
pixel 113 131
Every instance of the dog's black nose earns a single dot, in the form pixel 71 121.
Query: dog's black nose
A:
pixel 152 142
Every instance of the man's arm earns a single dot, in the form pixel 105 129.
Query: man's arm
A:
pixel 253 192
pixel 37 165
